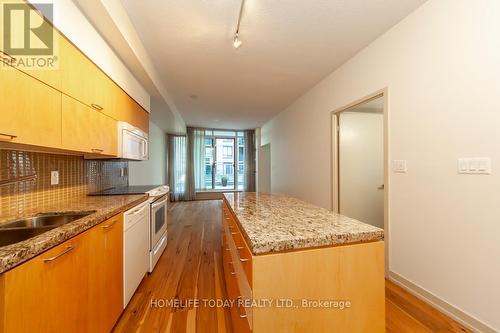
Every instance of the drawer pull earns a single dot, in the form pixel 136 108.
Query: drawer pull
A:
pixel 239 312
pixel 234 233
pixel 243 260
pixel 107 226
pixel 68 249
pixel 9 136
pixel 233 272
pixel 96 150
pixel 97 107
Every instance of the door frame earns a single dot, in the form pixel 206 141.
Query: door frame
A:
pixel 384 93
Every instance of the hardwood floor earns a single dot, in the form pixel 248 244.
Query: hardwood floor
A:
pixel 191 269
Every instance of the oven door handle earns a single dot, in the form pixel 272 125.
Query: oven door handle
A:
pixel 159 203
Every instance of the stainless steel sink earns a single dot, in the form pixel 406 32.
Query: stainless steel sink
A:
pixel 19 230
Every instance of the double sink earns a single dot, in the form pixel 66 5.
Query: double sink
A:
pixel 23 229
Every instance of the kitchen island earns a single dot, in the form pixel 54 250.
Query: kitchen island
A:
pixel 290 266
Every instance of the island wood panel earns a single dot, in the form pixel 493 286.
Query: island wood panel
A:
pixel 105 275
pixel 31 110
pixel 40 296
pixel 352 273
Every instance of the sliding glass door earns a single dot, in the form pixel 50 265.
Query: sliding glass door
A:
pixel 224 175
pixel 224 161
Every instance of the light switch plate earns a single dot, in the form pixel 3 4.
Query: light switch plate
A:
pixel 399 166
pixel 54 178
pixel 474 165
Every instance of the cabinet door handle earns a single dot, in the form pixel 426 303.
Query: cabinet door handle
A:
pixel 9 136
pixel 107 226
pixel 233 272
pixel 239 312
pixel 97 107
pixel 96 150
pixel 68 249
pixel 234 233
pixel 243 260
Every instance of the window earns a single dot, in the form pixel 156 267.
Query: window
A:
pixel 224 160
pixel 227 152
pixel 228 169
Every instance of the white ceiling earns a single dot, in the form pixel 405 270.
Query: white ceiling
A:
pixel 288 46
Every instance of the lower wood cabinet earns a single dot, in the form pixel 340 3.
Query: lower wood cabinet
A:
pixel 87 130
pixel 49 292
pixel 74 287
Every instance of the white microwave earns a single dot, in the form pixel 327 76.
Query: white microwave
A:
pixel 133 142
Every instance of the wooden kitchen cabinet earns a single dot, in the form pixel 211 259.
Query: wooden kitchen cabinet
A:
pixel 75 287
pixel 52 108
pixel 30 110
pixel 126 109
pixel 28 64
pixel 105 275
pixel 83 80
pixel 49 292
pixel 87 130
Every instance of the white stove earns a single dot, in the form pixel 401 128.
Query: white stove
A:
pixel 158 203
pixel 158 224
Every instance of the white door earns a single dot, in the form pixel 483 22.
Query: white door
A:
pixel 361 165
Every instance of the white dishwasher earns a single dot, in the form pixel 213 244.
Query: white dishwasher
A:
pixel 135 248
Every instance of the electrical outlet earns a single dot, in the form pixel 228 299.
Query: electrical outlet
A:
pixel 54 178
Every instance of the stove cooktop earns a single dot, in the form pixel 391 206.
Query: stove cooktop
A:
pixel 126 190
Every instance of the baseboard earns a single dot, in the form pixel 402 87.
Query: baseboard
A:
pixel 458 315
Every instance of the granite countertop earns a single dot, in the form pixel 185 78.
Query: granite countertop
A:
pixel 275 222
pixel 104 207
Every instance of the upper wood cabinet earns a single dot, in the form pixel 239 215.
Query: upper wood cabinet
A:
pixel 30 110
pixel 130 111
pixel 47 73
pixel 87 130
pixel 105 275
pixel 48 293
pixel 33 114
pixel 83 80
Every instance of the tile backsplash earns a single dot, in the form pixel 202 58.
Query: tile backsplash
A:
pixel 77 177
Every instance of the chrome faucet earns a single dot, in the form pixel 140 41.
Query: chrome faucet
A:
pixel 18 180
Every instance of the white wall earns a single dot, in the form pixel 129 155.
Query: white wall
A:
pixel 441 66
pixel 74 25
pixel 152 171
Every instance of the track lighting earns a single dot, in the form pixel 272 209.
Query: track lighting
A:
pixel 237 41
pixel 236 38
